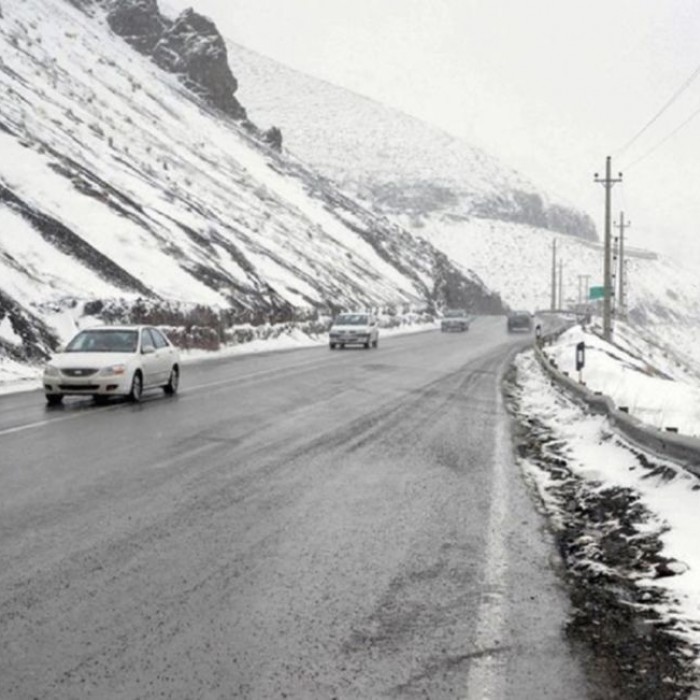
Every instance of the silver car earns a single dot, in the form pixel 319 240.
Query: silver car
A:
pixel 354 329
pixel 455 320
pixel 113 361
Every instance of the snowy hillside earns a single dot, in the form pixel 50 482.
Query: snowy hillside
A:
pixel 440 188
pixel 119 181
pixel 650 382
pixel 663 297
pixel 398 163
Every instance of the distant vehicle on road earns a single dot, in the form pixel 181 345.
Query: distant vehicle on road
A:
pixel 113 361
pixel 354 329
pixel 455 320
pixel 519 321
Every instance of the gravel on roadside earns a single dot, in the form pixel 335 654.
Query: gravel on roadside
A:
pixel 608 542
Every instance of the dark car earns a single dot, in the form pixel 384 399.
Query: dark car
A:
pixel 455 320
pixel 519 321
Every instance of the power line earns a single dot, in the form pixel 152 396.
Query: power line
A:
pixel 672 99
pixel 664 140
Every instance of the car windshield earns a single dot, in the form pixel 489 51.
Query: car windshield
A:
pixel 104 341
pixel 351 320
pixel 454 313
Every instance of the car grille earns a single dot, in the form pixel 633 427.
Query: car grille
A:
pixel 78 372
pixel 78 387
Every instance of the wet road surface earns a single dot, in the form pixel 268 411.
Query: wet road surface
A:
pixel 305 524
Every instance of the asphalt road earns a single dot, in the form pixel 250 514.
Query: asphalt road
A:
pixel 305 524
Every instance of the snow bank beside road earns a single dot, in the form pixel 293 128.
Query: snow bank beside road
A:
pixel 626 524
pixel 636 373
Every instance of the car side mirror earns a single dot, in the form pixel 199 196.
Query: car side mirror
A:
pixel 147 350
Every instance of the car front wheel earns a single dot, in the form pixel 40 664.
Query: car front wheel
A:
pixel 54 399
pixel 173 383
pixel 136 388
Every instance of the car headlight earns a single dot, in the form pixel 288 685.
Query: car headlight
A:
pixel 112 370
pixel 51 371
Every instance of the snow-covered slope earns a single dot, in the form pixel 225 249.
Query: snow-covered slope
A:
pixel 116 180
pixel 398 163
pixel 441 189
pixel 654 386
pixel 663 297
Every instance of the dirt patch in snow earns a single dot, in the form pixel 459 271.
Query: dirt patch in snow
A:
pixel 608 542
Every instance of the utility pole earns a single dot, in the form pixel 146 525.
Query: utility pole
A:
pixel 623 270
pixel 553 304
pixel 561 284
pixel 608 183
pixel 613 278
pixel 583 289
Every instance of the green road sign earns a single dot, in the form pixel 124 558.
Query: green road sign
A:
pixel 596 292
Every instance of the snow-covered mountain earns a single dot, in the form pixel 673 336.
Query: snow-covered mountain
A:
pixel 662 296
pixel 133 184
pixel 444 191
pixel 399 164
pixel 126 175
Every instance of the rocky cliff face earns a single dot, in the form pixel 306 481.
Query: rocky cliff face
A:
pixel 138 22
pixel 530 208
pixel 191 47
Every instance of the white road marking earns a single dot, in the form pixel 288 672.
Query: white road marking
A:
pixel 221 382
pixel 485 679
pixel 51 421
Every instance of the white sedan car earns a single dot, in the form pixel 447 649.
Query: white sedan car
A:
pixel 113 361
pixel 354 329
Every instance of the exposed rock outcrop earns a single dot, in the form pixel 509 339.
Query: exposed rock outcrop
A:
pixel 529 208
pixel 273 136
pixel 190 46
pixel 194 48
pixel 138 22
pixel 37 340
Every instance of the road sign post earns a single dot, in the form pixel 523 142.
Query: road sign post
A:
pixel 580 360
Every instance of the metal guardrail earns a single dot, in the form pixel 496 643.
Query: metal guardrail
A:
pixel 682 449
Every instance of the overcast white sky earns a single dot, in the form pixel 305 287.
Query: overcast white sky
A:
pixel 549 86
